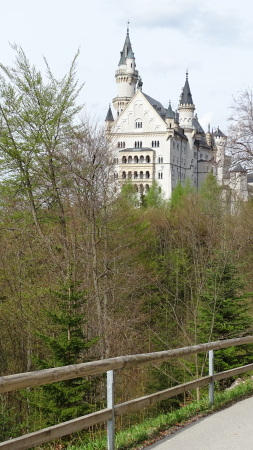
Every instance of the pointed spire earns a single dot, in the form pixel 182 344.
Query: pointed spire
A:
pixel 186 96
pixel 127 51
pixel 109 116
pixel 169 113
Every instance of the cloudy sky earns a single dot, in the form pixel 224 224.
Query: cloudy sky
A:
pixel 212 39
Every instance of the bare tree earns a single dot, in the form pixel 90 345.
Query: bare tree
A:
pixel 240 142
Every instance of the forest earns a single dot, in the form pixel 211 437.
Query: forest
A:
pixel 85 274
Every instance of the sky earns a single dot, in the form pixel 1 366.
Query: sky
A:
pixel 211 39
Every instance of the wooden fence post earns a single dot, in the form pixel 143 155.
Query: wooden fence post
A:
pixel 110 404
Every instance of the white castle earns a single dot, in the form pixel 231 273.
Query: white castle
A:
pixel 151 142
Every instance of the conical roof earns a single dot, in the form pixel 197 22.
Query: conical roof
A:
pixel 186 96
pixel 109 116
pixel 218 133
pixel 238 168
pixel 127 51
pixel 169 113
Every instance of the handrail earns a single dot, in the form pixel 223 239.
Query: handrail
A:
pixel 37 378
pixel 28 379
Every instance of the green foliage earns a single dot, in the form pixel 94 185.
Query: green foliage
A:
pixel 179 193
pixel 224 314
pixel 154 198
pixel 67 399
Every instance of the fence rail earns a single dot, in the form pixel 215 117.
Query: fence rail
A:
pixel 37 378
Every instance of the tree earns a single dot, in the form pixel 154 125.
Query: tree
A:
pixel 36 120
pixel 240 141
pixel 67 345
pixel 154 198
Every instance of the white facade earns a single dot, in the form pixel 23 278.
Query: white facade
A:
pixel 151 142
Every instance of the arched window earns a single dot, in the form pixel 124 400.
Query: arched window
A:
pixel 138 123
pixel 129 175
pixel 136 160
pixel 160 160
pixel 141 189
pixel 147 159
pixel 136 187
pixel 135 174
pixel 141 159
pixel 160 175
pixel 124 175
pixel 147 174
pixel 124 160
pixel 147 188
pixel 141 174
pixel 130 159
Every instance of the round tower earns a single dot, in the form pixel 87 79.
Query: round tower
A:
pixel 126 77
pixel 186 107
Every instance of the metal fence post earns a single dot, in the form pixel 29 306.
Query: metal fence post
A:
pixel 110 404
pixel 211 373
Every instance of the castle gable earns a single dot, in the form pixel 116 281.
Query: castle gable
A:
pixel 140 116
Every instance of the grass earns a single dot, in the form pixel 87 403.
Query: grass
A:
pixel 151 428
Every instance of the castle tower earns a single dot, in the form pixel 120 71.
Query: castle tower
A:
pixel 126 77
pixel 109 120
pixel 223 162
pixel 186 107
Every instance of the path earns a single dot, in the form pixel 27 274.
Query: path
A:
pixel 229 429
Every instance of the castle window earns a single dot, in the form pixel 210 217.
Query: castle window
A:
pixel 160 175
pixel 124 160
pixel 138 144
pixel 147 159
pixel 160 160
pixel 129 175
pixel 130 159
pixel 115 176
pixel 141 159
pixel 141 174
pixel 147 174
pixel 141 188
pixel 135 174
pixel 136 160
pixel 138 123
pixel 147 188
pixel 155 144
pixel 124 175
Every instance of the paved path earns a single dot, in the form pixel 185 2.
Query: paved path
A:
pixel 229 429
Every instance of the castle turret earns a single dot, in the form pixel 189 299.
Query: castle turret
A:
pixel 126 77
pixel 186 107
pixel 170 117
pixel 109 119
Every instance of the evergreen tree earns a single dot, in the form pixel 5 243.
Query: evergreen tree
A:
pixel 224 314
pixel 68 399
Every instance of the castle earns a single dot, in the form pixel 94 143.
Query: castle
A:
pixel 151 142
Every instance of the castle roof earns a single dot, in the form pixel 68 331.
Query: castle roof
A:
pixel 156 105
pixel 186 96
pixel 218 133
pixel 127 51
pixel 196 125
pixel 238 168
pixel 109 116
pixel 170 113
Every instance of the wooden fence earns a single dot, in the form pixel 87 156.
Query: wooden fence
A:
pixel 40 377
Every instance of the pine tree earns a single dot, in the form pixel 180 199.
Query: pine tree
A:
pixel 224 314
pixel 68 399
